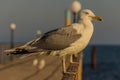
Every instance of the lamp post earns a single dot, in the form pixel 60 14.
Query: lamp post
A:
pixel 67 17
pixel 75 8
pixel 38 33
pixel 12 27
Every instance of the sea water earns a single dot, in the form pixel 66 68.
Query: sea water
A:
pixel 108 63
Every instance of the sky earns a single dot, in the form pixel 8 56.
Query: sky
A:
pixel 45 15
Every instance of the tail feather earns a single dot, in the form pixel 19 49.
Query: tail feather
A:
pixel 26 48
pixel 37 53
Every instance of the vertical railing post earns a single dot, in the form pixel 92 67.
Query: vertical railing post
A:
pixel 80 66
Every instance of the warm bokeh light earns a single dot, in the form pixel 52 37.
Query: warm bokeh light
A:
pixel 38 32
pixel 13 26
pixel 76 6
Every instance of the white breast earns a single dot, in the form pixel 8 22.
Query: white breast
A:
pixel 86 31
pixel 78 27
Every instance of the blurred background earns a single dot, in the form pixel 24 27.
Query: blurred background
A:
pixel 24 20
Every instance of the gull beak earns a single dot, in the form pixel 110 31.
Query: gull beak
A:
pixel 97 18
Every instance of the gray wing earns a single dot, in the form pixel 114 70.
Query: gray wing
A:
pixel 58 39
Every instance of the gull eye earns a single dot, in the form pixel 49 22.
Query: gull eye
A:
pixel 86 12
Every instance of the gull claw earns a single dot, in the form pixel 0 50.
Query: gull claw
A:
pixel 74 62
pixel 72 73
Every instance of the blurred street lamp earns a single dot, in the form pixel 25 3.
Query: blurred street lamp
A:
pixel 38 33
pixel 12 28
pixel 67 17
pixel 75 8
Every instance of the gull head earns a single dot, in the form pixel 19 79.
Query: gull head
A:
pixel 87 14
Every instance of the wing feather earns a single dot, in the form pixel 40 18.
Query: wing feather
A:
pixel 58 39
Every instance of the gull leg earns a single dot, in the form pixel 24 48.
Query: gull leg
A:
pixel 64 66
pixel 71 58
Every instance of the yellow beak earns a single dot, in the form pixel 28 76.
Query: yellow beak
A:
pixel 97 18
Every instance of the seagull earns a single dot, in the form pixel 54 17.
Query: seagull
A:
pixel 62 41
